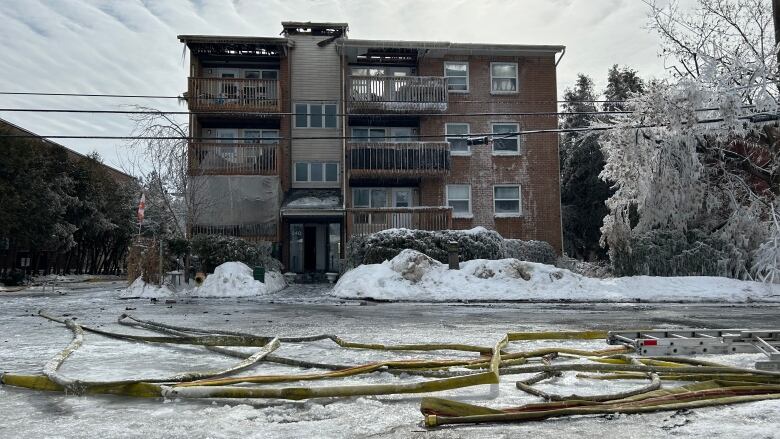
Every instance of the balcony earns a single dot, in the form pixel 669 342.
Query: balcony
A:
pixel 365 221
pixel 397 94
pixel 234 94
pixel 398 159
pixel 232 159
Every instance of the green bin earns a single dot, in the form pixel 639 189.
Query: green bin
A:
pixel 259 274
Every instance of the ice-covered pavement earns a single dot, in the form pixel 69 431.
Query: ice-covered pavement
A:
pixel 28 341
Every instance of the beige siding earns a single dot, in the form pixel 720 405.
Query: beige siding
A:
pixel 316 71
pixel 316 77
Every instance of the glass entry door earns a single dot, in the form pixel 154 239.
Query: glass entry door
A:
pixel 315 247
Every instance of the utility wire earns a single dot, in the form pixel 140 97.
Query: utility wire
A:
pixel 257 113
pixel 185 98
pixel 761 118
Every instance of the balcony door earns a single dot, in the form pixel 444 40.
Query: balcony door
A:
pixel 402 197
pixel 226 138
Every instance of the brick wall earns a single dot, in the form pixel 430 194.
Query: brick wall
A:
pixel 536 169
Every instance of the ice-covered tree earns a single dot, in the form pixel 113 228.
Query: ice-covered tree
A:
pixel 583 193
pixel 699 153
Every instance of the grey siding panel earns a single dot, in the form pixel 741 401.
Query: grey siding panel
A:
pixel 316 149
pixel 316 71
pixel 315 76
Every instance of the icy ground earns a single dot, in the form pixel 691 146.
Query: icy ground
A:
pixel 27 341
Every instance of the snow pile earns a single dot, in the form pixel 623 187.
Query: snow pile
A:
pixel 416 277
pixel 316 202
pixel 141 289
pixel 234 279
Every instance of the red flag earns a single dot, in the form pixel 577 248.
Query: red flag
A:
pixel 141 207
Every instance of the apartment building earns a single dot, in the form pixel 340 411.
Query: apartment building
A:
pixel 312 138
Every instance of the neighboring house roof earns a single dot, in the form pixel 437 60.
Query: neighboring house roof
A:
pixel 73 155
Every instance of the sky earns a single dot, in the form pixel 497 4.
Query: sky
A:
pixel 130 46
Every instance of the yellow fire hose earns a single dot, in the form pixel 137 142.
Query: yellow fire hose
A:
pixel 713 384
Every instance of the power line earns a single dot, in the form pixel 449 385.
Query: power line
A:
pixel 257 113
pixel 759 117
pixel 185 98
pixel 89 95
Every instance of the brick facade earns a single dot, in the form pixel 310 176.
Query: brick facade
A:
pixel 535 169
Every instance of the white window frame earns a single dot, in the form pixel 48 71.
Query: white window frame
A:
pixel 493 131
pixel 468 76
pixel 447 139
pixel 447 201
pixel 517 80
pixel 308 172
pixel 519 200
pixel 309 115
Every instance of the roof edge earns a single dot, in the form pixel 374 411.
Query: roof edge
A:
pixel 449 45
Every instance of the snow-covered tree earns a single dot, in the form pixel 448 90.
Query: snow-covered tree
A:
pixel 699 152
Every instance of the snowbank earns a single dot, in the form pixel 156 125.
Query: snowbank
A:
pixel 234 279
pixel 415 277
pixel 139 288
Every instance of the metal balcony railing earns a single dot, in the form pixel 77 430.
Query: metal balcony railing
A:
pixel 233 158
pixel 397 94
pixel 234 94
pixel 364 221
pixel 408 159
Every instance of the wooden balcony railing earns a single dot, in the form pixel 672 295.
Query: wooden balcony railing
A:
pixel 233 158
pixel 367 159
pixel 365 221
pixel 234 94
pixel 397 94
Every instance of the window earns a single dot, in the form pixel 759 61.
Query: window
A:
pixel 362 135
pixel 302 171
pixel 459 198
pixel 384 134
pixel 458 145
pixel 457 74
pixel 506 145
pixel 506 200
pixel 382 197
pixel 315 116
pixel 503 77
pixel 261 74
pixel 261 136
pixel 316 172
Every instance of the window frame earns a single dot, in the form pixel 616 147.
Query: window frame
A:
pixel 260 140
pixel 468 77
pixel 323 115
pixel 467 152
pixel 519 200
pixel 516 78
pixel 368 139
pixel 308 172
pixel 455 214
pixel 493 143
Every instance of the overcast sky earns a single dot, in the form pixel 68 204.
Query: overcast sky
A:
pixel 130 46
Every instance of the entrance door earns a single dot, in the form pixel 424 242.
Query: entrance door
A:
pixel 310 248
